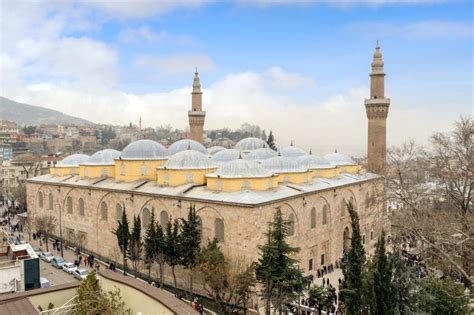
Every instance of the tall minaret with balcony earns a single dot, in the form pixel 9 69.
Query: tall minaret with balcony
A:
pixel 196 114
pixel 377 111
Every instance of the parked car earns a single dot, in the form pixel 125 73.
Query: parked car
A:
pixel 69 267
pixel 45 283
pixel 57 262
pixel 80 274
pixel 47 256
pixel 38 251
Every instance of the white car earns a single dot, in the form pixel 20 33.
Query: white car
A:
pixel 69 267
pixel 45 283
pixel 47 256
pixel 80 274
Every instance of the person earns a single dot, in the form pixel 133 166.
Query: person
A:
pixel 80 260
pixel 324 281
pixel 327 281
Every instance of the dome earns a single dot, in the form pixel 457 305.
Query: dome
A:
pixel 73 160
pixel 339 159
pixel 251 143
pixel 103 157
pixel 313 161
pixel 241 168
pixel 144 150
pixel 226 155
pixel 189 159
pixel 182 145
pixel 282 164
pixel 292 151
pixel 261 154
pixel 213 150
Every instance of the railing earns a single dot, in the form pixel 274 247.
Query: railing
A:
pixel 65 309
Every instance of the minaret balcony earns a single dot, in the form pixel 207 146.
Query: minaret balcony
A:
pixel 196 113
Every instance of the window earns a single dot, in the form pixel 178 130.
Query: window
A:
pixel 322 259
pixel 50 201
pixel 310 264
pixel 118 212
pixel 69 204
pixel 286 179
pixel 291 224
pixel 164 219
pixel 371 235
pixel 219 185
pixel 104 172
pixel 143 170
pixel 122 169
pixel 312 218
pixel 246 184
pixel 40 199
pixel 82 238
pixel 81 206
pixel 363 238
pixel 219 230
pixel 146 218
pixel 189 178
pixel 103 211
pixel 325 214
pixel 166 178
pixel 86 172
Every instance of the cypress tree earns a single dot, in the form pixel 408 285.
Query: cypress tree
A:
pixel 403 279
pixel 384 299
pixel 352 286
pixel 123 237
pixel 136 243
pixel 173 248
pixel 150 244
pixel 160 249
pixel 271 141
pixel 190 243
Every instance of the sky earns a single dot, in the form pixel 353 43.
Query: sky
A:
pixel 298 68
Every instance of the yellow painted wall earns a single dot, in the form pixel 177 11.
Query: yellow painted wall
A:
pixel 96 171
pixel 131 170
pixel 325 172
pixel 179 177
pixel 294 178
pixel 135 300
pixel 237 184
pixel 63 171
pixel 352 169
pixel 58 298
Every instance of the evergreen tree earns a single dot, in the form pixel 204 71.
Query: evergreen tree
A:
pixel 190 243
pixel 352 286
pixel 150 244
pixel 321 298
pixel 123 237
pixel 136 243
pixel 403 280
pixel 160 249
pixel 271 141
pixel 384 299
pixel 173 255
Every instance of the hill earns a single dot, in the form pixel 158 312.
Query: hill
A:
pixel 24 114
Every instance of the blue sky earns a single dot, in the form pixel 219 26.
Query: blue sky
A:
pixel 264 62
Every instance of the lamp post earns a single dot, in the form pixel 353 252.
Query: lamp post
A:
pixel 297 266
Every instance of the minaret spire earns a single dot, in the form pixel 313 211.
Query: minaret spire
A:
pixel 196 114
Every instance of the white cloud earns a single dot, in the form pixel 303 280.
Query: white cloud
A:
pixel 146 34
pixel 176 64
pixel 338 3
pixel 281 79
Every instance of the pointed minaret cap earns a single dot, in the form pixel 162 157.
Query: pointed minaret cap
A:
pixel 196 82
pixel 377 62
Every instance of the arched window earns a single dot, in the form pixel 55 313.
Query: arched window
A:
pixel 146 218
pixel 343 207
pixel 50 201
pixel 312 218
pixel 189 178
pixel 40 199
pixel 166 178
pixel 291 224
pixel 164 219
pixel 219 230
pixel 69 204
pixel 246 184
pixel 104 172
pixel 81 206
pixel 325 214
pixel 118 212
pixel 103 211
pixel 143 170
pixel 122 169
pixel 286 179
pixel 219 185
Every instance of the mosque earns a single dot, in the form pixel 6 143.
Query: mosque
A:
pixel 235 191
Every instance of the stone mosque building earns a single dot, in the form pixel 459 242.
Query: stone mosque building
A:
pixel 235 191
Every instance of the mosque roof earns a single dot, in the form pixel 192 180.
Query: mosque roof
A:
pixel 251 143
pixel 226 155
pixel 339 159
pixel 241 168
pixel 185 144
pixel 292 151
pixel 189 159
pixel 282 164
pixel 73 160
pixel 144 150
pixel 261 154
pixel 214 149
pixel 103 157
pixel 313 161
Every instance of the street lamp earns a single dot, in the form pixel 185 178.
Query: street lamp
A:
pixel 297 266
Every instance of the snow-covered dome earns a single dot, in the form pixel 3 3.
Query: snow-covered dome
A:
pixel 226 155
pixel 251 143
pixel 189 159
pixel 339 159
pixel 292 151
pixel 73 160
pixel 261 154
pixel 185 144
pixel 313 161
pixel 213 150
pixel 241 168
pixel 144 150
pixel 103 157
pixel 282 164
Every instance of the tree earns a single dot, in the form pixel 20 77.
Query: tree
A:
pixel 160 247
pixel 382 275
pixel 322 298
pixel 190 242
pixel 173 255
pixel 136 243
pixel 353 269
pixel 150 243
pixel 45 224
pixel 122 232
pixel 403 280
pixel 28 130
pixel 275 268
pixel 271 142
pixel 18 195
pixel 91 299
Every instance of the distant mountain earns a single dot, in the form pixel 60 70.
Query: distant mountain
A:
pixel 24 114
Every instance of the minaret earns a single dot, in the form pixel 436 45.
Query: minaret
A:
pixel 377 111
pixel 196 114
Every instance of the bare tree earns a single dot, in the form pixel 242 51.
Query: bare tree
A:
pixel 430 193
pixel 45 224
